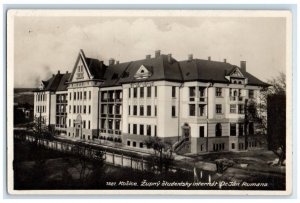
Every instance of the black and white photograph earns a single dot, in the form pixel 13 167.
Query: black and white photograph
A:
pixel 149 102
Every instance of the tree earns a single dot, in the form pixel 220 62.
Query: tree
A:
pixel 163 154
pixel 269 114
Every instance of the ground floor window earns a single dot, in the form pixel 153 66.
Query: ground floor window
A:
pixel 218 147
pixel 134 144
pixel 128 143
pixel 141 145
pixel 232 146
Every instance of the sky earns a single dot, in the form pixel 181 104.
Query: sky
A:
pixel 43 45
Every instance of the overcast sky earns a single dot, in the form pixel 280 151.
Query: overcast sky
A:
pixel 44 45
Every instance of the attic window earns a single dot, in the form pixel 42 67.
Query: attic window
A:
pixel 143 72
pixel 114 76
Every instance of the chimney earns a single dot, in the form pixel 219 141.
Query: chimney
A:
pixel 170 58
pixel 148 56
pixel 190 57
pixel 117 62
pixel 58 72
pixel 157 53
pixel 225 61
pixel 67 72
pixel 243 66
pixel 111 61
pixel 209 58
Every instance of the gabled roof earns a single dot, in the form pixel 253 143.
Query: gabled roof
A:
pixel 94 67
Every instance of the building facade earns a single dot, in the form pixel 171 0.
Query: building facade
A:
pixel 197 104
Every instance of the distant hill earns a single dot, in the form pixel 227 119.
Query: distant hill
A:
pixel 24 95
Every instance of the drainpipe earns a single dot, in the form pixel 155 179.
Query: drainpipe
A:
pixel 179 110
pixel 210 85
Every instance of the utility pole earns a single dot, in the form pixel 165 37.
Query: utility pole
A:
pixel 246 121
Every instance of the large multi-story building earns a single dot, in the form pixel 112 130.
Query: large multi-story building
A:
pixel 199 102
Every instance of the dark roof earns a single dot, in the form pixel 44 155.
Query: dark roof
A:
pixel 160 67
pixel 214 71
pixel 63 82
pixel 96 67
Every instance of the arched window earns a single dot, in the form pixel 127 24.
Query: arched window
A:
pixel 234 93
pixel 218 130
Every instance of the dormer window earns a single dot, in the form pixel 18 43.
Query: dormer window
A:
pixel 143 72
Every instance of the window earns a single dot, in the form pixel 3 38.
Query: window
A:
pixel 219 108
pixel 83 124
pixel 90 95
pixel 155 131
pixel 201 91
pixel 134 110
pixel 141 92
pixel 218 92
pixel 173 111
pixel 134 144
pixel 74 95
pixel 69 122
pixel 74 109
pixel 192 91
pixel 128 143
pixel 155 110
pixel 129 128
pixel 84 109
pixel 201 131
pixel 141 110
pixel 80 95
pixel 134 129
pixel 241 129
pixel 141 145
pixel 201 110
pixel 155 91
pixel 218 130
pixel 241 108
pixel 70 96
pixel 129 110
pixel 149 130
pixel 148 110
pixel 129 92
pixel 84 95
pixel 117 124
pixel 135 92
pixel 192 109
pixel 232 129
pixel 232 146
pixel 232 108
pixel 89 125
pixel 251 94
pixel 89 109
pixel 173 91
pixel 141 129
pixel 117 109
pixel 110 124
pixel 148 91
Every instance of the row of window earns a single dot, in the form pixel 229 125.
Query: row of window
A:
pixel 80 109
pixel 218 92
pixel 141 111
pixel 143 129
pixel 41 97
pixel 80 95
pixel 201 91
pixel 111 109
pixel 61 108
pixel 61 98
pixel 142 91
pixel 41 109
pixel 88 126
pixel 110 124
pixel 201 111
pixel 134 144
